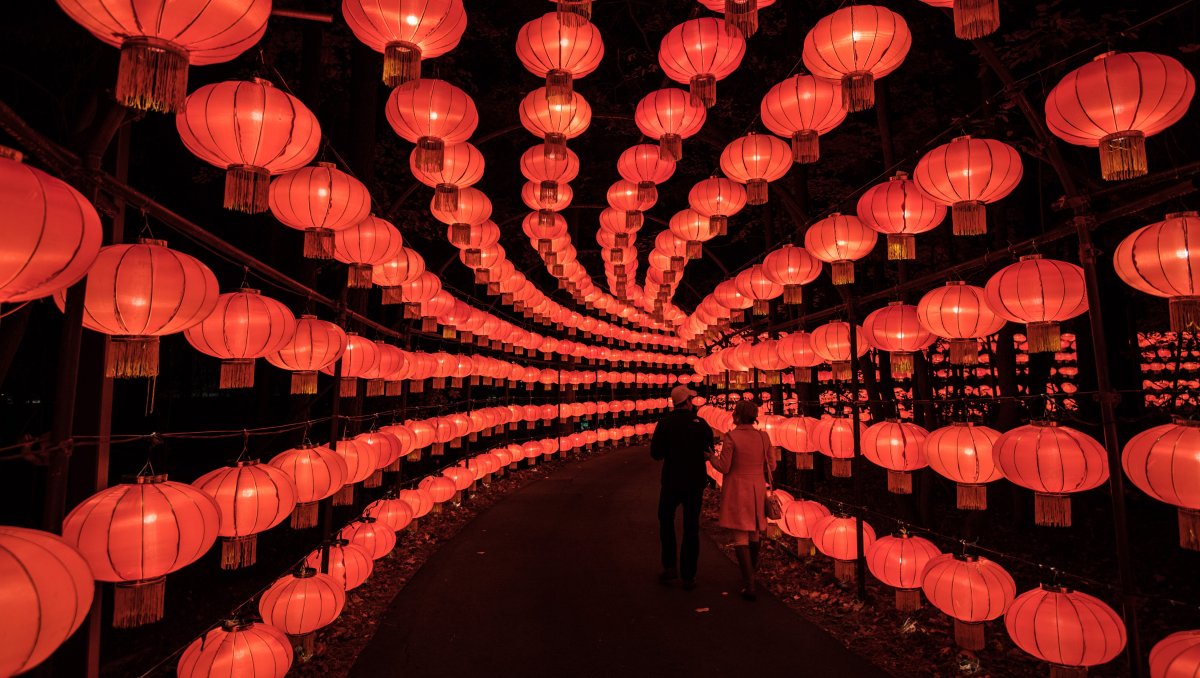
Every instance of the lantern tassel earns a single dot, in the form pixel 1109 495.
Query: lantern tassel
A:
pixel 392 389
pixel 548 191
pixel 401 63
pixel 806 146
pixel 304 516
pixel 805 547
pixel 756 192
pixel 973 19
pixel 1060 671
pixel 559 87
pixel 555 145
pixel 703 89
pixel 964 351
pixel 694 249
pixel 634 220
pixel 762 307
pixel 1189 529
pixel 304 383
pixel 968 218
pixel 1044 337
pixel 574 12
pixel 393 467
pixel 670 147
pixel 392 295
pixel 152 75
pixel 247 189
pixel 719 224
pixel 460 234
pixel 841 468
pixel 1185 314
pixel 375 388
pixel 131 357
pixel 445 197
pixel 845 570
pixel 972 497
pixel 1052 510
pixel 348 387
pixel 858 91
pixel 237 373
pixel 647 191
pixel 344 496
pixel 305 646
pixel 431 154
pixel 429 324
pixel 238 552
pixel 741 16
pixel 318 243
pixel 901 246
pixel 138 603
pixel 968 635
pixel 804 461
pixel 908 600
pixel 375 480
pixel 358 277
pixel 842 272
pixel 903 364
pixel 841 370
pixel 1123 155
pixel 899 482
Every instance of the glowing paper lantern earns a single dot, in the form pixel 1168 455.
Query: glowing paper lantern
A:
pixel 554 123
pixel 899 561
pixel 802 108
pixel 834 438
pixel 48 591
pixel 394 513
pixel 462 166
pixel 755 160
pixel 1163 260
pixel 432 114
pixel 1069 629
pixel 857 45
pixel 137 293
pixel 361 460
pixel 350 564
pixel 645 166
pixel 237 648
pixel 1115 102
pixel 962 452
pixel 624 197
pixel 960 313
pixel 1164 462
pixel 899 210
pixel 245 325
pixel 754 284
pixel 898 447
pixel 314 345
pixel 796 350
pixel 741 16
pixel 831 342
pixel 253 498
pixel 896 329
pixel 669 116
pixel 395 276
pixel 973 19
pixel 299 604
pixel 971 590
pixel 550 172
pixel 1176 656
pixel 51 232
pixel 1040 293
pixel 1053 461
pixel 840 240
pixel 836 537
pixel 693 228
pixel 317 472
pixel 376 538
pixel 799 519
pixel 320 201
pixel 158 40
pixel 370 242
pixel 135 534
pixel 965 175
pixel 718 199
pixel 252 131
pixel 406 32
pixel 472 209
pixel 700 52
pixel 560 51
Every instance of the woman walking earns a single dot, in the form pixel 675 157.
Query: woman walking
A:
pixel 745 457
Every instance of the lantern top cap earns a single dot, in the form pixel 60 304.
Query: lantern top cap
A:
pixel 955 283
pixel 327 165
pixel 1183 215
pixel 303 572
pixel 899 176
pixel 965 137
pixel 966 557
pixel 234 625
pixel 152 241
pixel 1104 55
pixel 308 316
pixel 895 303
pixel 262 81
pixel 1056 588
pixel 247 462
pixel 11 154
pixel 1184 421
pixel 151 479
pixel 249 290
pixel 1044 423
pixel 1029 257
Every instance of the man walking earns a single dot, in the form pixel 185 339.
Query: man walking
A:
pixel 680 442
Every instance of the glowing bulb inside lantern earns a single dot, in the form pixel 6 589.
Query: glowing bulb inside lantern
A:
pixel 412 20
pixel 1182 253
pixel 564 42
pixel 150 518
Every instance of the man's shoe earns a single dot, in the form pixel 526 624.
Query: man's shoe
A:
pixel 668 575
pixel 689 584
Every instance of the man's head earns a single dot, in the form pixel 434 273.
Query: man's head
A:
pixel 681 397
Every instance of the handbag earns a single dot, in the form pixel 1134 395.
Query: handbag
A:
pixel 772 505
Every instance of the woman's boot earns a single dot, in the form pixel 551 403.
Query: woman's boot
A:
pixel 754 548
pixel 747 567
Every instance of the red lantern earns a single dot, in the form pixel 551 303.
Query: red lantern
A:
pixel 299 604
pixel 370 242
pixel 314 345
pixel 754 284
pixel 1176 656
pixel 159 39
pixel 840 240
pixel 645 166
pixel 834 438
pixel 554 123
pixel 1069 629
pixel 350 564
pixel 396 274
pixel 973 19
pixel 896 329
pixel 441 489
pixel 799 519
pixel 962 452
pixel 791 267
pixel 432 114
pixel 52 233
pixel 971 590
pixel 1040 293
pixel 796 349
pixel 560 51
pixel 236 648
pixel 361 460
pixel 959 312
pixel 462 166
pixel 700 52
pixel 669 116
pixel 253 498
pixel 692 228
pixel 137 293
pixel 802 108
pixel 899 561
pixel 1053 461
pixel 857 45
pixel 394 513
pixel 317 473
pixel 755 160
pixel 899 210
pixel 549 172
pixel 898 447
pixel 1162 260
pixel 965 175
pixel 135 534
pixel 624 197
pixel 1115 102
pixel 831 342
pixel 48 591
pixel 358 361
pixel 406 32
pixel 472 209
pixel 252 131
pixel 718 199
pixel 419 500
pixel 320 201
pixel 1164 462
pixel 836 537
pixel 741 16
pixel 376 538
pixel 245 325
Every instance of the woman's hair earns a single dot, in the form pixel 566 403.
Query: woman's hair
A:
pixel 745 412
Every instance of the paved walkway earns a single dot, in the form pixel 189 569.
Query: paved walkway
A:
pixel 560 579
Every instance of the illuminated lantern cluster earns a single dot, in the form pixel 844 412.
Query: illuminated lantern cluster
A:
pixel 755 160
pixel 973 19
pixel 898 447
pixel 840 240
pixel 670 116
pixel 1115 102
pixel 253 498
pixel 252 131
pixel 1053 461
pixel 158 40
pixel 967 174
pixel 138 293
pixel 560 51
pixel 836 537
pixel 432 114
pixel 831 342
pixel 1164 462
pixel 1163 260
pixel 857 45
pixel 900 211
pixel 320 201
pixel 960 313
pixel 896 329
pixel 135 534
pixel 1040 293
pixel 971 590
pixel 406 32
pixel 802 108
pixel 245 325
pixel 899 561
pixel 1069 629
pixel 700 52
pixel 237 648
pixel 962 452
